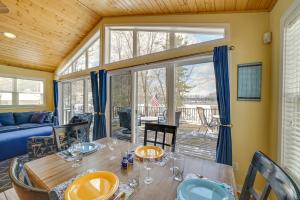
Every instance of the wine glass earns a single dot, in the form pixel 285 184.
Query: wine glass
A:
pixel 76 153
pixel 111 148
pixel 148 166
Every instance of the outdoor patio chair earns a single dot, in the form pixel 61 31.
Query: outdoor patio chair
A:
pixel 162 119
pixel 125 120
pixel 205 125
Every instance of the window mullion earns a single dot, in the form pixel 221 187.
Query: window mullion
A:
pixel 15 94
pixel 134 45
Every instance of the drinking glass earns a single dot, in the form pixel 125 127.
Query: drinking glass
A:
pixel 148 166
pixel 179 163
pixel 76 153
pixel 111 148
pixel 133 172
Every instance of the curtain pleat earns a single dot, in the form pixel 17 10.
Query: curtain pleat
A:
pixel 224 144
pixel 102 103
pixel 95 94
pixel 55 95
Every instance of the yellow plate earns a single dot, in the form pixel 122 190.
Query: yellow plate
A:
pixel 94 186
pixel 149 152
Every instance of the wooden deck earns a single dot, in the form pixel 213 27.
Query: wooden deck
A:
pixel 190 140
pixel 9 195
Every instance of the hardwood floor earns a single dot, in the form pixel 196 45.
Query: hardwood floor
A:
pixel 9 195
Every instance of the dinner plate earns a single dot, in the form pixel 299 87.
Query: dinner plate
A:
pixel 201 189
pixel 100 185
pixel 149 152
pixel 88 147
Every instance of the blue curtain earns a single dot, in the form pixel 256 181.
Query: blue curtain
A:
pixel 224 146
pixel 102 103
pixel 55 95
pixel 95 94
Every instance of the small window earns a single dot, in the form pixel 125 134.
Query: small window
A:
pixel 93 54
pixel 121 45
pixel 21 92
pixel 87 57
pixel 151 42
pixel 6 91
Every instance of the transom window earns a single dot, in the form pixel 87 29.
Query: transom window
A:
pixel 16 91
pixel 130 41
pixel 89 58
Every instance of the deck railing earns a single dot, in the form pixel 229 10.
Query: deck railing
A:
pixel 187 114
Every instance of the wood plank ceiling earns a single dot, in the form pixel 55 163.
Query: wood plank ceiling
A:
pixel 47 30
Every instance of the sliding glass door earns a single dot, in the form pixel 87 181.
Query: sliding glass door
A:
pixel 180 92
pixel 151 98
pixel 76 98
pixel 120 105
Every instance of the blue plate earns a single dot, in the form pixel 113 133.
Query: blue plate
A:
pixel 201 189
pixel 88 148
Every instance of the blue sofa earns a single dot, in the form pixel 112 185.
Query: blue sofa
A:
pixel 15 129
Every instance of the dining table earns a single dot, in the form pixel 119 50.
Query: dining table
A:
pixel 52 170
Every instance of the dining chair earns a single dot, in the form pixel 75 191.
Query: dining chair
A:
pixel 162 129
pixel 62 137
pixel 22 185
pixel 276 178
pixel 40 146
pixel 79 131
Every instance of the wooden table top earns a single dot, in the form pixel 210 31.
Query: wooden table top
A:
pixel 52 170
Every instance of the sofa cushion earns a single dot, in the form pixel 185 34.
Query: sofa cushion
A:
pixel 22 117
pixel 7 119
pixel 33 125
pixel 15 143
pixel 4 129
pixel 38 117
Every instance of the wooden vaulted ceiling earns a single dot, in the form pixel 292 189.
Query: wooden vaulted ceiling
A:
pixel 47 30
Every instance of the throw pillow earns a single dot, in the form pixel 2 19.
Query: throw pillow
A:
pixel 38 117
pixel 7 119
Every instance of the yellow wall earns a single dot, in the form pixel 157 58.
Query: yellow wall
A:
pixel 275 16
pixel 25 73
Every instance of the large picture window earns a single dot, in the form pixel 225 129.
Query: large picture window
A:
pixel 126 42
pixel 23 92
pixel 291 96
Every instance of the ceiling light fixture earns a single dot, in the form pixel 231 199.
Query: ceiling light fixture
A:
pixel 9 35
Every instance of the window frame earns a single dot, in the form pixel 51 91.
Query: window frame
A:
pixel 285 20
pixel 83 51
pixel 135 28
pixel 15 93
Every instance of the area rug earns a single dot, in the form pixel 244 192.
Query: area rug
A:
pixel 5 183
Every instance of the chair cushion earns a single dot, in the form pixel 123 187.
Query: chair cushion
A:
pixel 33 125
pixel 4 129
pixel 7 119
pixel 38 117
pixel 15 143
pixel 48 118
pixel 23 117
